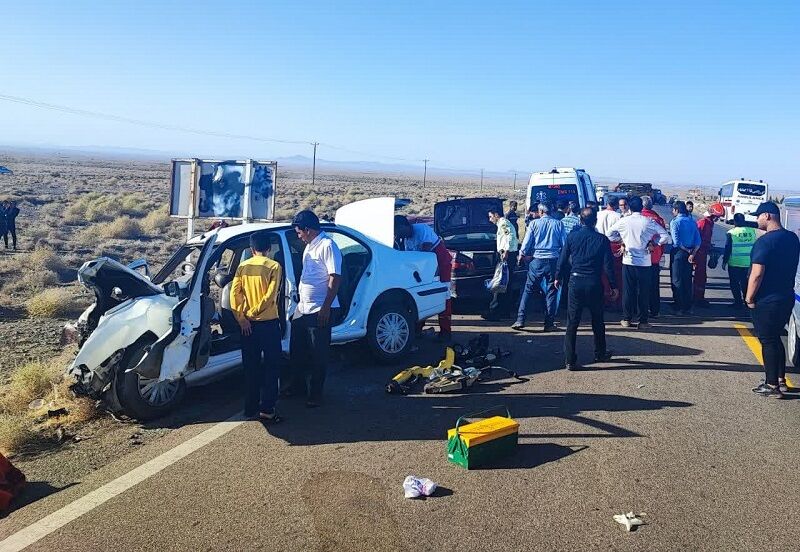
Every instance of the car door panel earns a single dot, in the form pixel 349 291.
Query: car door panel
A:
pixel 185 347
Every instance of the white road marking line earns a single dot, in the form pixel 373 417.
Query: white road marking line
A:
pixel 72 511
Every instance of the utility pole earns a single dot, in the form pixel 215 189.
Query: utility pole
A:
pixel 514 185
pixel 481 180
pixel 314 166
pixel 425 173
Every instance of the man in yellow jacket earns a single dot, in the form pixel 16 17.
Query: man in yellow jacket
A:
pixel 254 301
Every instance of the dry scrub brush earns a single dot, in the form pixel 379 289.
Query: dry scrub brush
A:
pixel 21 426
pixel 52 303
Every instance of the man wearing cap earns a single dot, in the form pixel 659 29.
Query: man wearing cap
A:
pixel 706 228
pixel 739 243
pixel 311 324
pixel 770 294
pixel 421 237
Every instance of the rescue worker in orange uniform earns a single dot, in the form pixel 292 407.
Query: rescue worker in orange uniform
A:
pixel 706 228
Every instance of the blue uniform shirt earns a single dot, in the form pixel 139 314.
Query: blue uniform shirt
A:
pixel 684 232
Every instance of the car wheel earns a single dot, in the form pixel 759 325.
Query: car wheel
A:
pixel 145 398
pixel 792 349
pixel 390 332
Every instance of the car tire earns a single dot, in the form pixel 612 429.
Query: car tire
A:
pixel 390 332
pixel 793 347
pixel 142 399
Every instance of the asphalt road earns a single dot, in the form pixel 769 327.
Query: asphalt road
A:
pixel 669 428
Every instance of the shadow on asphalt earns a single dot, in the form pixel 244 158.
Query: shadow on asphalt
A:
pixel 532 455
pixel 35 490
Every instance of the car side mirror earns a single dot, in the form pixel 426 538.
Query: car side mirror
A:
pixel 171 289
pixel 140 265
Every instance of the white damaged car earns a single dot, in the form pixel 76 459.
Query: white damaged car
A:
pixel 145 339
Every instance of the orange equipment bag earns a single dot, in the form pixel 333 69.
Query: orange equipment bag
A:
pixel 11 482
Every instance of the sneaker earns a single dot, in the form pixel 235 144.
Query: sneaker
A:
pixel 644 326
pixel 517 325
pixel 625 323
pixel 605 357
pixel 768 391
pixel 550 328
pixel 572 367
pixel 782 386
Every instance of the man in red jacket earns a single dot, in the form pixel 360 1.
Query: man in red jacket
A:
pixel 706 227
pixel 656 253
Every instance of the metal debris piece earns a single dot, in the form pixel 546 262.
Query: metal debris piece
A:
pixel 629 520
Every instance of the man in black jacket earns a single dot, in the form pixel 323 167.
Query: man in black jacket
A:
pixel 585 255
pixel 8 225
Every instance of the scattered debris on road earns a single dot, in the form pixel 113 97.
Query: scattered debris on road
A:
pixel 481 443
pixel 415 487
pixel 630 520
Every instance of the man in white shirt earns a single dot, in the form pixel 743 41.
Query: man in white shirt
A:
pixel 421 237
pixel 311 324
pixel 507 249
pixel 624 207
pixel 608 216
pixel 636 231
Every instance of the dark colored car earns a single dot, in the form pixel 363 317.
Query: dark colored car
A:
pixel 471 238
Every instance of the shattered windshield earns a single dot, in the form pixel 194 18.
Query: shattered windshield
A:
pixel 180 265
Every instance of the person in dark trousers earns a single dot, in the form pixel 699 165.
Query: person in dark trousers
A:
pixel 636 232
pixel 685 243
pixel 542 245
pixel 9 213
pixel 559 214
pixel 770 294
pixel 657 252
pixel 311 324
pixel 586 255
pixel 254 302
pixel 513 217
pixel 739 243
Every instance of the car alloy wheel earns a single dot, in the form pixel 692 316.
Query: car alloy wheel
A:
pixel 392 332
pixel 158 393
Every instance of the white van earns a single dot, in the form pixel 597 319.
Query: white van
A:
pixel 742 196
pixel 560 184
pixel 790 218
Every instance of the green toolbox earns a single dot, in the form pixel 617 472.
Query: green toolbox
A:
pixel 479 444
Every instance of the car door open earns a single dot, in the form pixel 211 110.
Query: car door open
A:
pixel 186 347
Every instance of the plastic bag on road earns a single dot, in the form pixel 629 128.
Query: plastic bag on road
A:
pixel 629 520
pixel 415 487
pixel 499 282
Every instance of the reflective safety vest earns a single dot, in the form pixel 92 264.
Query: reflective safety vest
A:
pixel 742 240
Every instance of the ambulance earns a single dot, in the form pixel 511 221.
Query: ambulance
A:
pixel 742 196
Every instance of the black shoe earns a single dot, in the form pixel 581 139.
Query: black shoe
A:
pixel 517 325
pixel 550 328
pixel 572 367
pixel 605 357
pixel 768 391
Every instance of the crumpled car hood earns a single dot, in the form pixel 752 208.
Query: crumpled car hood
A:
pixel 104 274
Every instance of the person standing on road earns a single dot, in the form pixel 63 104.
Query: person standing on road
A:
pixel 656 255
pixel 421 237
pixel 690 208
pixel 513 217
pixel 738 245
pixel 685 242
pixel 558 214
pixel 571 220
pixel 706 228
pixel 636 234
pixel 586 255
pixel 624 208
pixel 10 215
pixel 532 214
pixel 254 302
pixel 507 247
pixel 311 324
pixel 770 294
pixel 543 242
pixel 607 218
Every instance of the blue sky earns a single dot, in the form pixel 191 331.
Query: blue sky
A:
pixel 688 92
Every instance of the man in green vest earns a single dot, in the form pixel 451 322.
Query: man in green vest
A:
pixel 739 243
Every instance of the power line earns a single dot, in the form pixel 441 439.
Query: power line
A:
pixel 140 122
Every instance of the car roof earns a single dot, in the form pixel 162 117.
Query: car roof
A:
pixel 230 232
